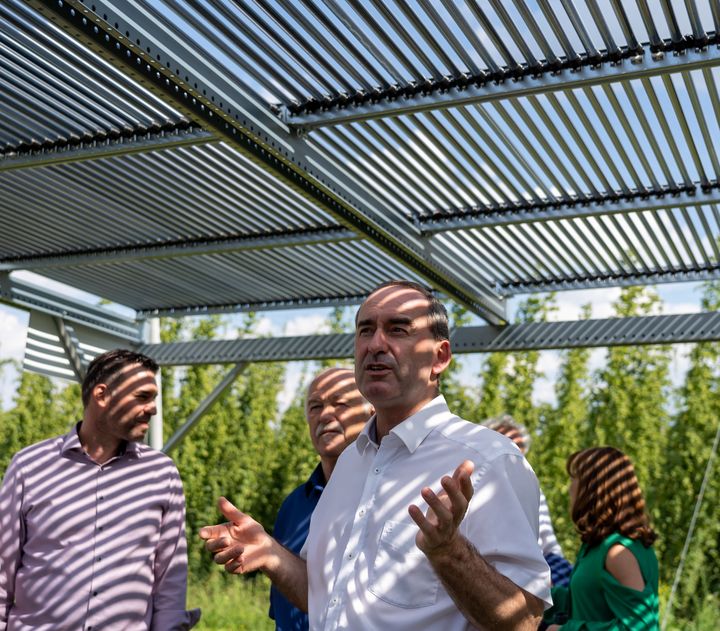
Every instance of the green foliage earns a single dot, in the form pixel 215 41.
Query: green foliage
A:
pixel 494 378
pixel 231 451
pixel 296 457
pixel 561 433
pixel 524 371
pixel 629 407
pixel 691 437
pixel 461 399
pixel 35 416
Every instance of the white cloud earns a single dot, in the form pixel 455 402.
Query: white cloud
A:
pixel 310 324
pixel 570 303
pixel 264 327
pixel 672 308
pixel 13 325
pixel 294 382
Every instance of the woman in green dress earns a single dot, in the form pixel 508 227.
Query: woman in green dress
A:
pixel 614 585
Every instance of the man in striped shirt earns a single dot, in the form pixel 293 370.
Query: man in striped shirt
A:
pixel 92 524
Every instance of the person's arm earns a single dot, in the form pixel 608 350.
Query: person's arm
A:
pixel 242 545
pixel 623 565
pixel 12 537
pixel 485 597
pixel 170 570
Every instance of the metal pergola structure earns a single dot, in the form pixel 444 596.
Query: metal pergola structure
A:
pixel 185 158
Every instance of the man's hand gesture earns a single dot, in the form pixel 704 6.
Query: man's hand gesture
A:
pixel 439 526
pixel 240 544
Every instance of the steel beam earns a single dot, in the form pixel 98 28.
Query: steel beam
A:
pixel 204 406
pixel 614 280
pixel 317 302
pixel 71 346
pixel 26 295
pixel 666 329
pixel 219 102
pixel 184 247
pixel 265 349
pixel 31 157
pixel 543 80
pixel 467 218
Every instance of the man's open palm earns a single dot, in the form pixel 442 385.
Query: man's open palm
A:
pixel 439 526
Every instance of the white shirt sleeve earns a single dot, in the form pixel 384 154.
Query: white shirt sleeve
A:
pixel 502 522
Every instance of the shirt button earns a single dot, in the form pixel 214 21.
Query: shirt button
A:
pixel 361 512
pixel 349 555
pixel 99 558
pixel 334 602
pixel 94 593
pixel 376 470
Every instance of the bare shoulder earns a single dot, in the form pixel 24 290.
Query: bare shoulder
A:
pixel 623 565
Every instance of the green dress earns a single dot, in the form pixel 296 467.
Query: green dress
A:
pixel 596 601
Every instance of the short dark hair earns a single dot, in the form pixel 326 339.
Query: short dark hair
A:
pixel 107 365
pixel 436 313
pixel 609 498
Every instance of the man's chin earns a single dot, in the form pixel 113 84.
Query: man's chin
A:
pixel 377 390
pixel 138 432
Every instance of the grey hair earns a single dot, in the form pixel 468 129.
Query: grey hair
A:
pixel 507 422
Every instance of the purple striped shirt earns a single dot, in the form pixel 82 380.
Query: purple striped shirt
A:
pixel 89 546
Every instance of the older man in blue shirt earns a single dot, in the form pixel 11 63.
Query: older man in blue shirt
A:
pixel 335 412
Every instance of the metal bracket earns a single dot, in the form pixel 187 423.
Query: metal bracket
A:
pixel 71 346
pixel 204 406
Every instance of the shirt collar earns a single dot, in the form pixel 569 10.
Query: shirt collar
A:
pixel 316 480
pixel 71 442
pixel 413 430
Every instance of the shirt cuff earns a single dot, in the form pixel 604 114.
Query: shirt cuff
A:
pixel 175 620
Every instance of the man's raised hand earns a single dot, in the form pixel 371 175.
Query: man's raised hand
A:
pixel 439 526
pixel 240 544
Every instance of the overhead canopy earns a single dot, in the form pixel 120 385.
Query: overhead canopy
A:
pixel 182 158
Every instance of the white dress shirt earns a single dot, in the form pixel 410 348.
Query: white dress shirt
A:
pixel 364 569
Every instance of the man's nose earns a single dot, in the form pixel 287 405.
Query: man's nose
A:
pixel 378 342
pixel 327 413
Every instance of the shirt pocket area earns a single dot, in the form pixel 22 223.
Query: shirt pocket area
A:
pixel 401 574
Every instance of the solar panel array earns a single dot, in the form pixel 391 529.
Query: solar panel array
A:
pixel 198 157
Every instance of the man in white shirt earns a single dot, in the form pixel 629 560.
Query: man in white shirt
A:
pixel 429 522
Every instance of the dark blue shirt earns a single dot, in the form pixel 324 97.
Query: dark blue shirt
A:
pixel 291 529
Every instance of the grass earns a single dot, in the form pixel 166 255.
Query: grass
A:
pixel 241 604
pixel 234 603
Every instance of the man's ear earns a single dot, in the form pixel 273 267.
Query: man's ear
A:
pixel 101 394
pixel 443 356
